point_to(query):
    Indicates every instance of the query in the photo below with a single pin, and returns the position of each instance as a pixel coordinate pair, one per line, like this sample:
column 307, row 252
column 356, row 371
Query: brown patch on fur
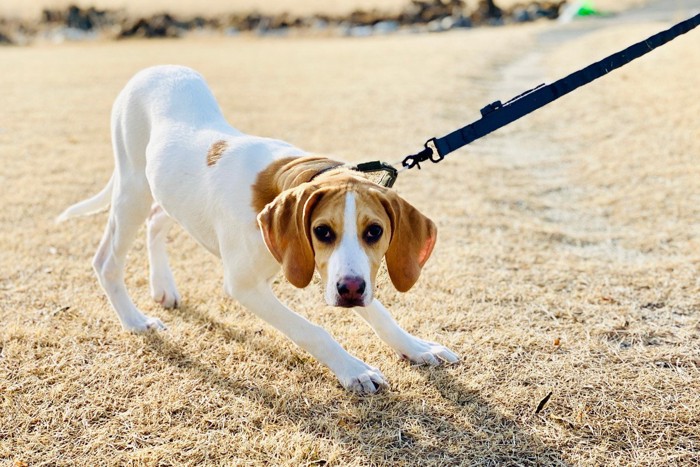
column 286, row 173
column 216, row 151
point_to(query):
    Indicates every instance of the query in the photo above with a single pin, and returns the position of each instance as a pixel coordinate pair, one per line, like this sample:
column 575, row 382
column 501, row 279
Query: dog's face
column 344, row 227
column 350, row 234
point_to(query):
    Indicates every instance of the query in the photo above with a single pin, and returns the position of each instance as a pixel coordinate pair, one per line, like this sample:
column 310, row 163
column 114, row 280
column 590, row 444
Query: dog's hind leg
column 131, row 201
column 163, row 288
column 130, row 208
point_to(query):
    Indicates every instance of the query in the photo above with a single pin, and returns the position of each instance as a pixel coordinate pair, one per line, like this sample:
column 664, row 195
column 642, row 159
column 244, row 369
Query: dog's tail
column 98, row 203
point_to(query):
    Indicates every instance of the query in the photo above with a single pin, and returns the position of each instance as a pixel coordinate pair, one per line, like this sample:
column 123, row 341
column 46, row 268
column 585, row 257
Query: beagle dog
column 258, row 204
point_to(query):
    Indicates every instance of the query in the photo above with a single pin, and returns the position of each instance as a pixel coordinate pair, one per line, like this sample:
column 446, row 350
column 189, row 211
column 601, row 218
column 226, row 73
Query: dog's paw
column 423, row 352
column 360, row 378
column 165, row 292
column 144, row 325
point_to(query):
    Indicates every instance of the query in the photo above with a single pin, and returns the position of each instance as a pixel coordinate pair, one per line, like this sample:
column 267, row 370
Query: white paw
column 361, row 378
column 424, row 352
column 165, row 292
column 144, row 325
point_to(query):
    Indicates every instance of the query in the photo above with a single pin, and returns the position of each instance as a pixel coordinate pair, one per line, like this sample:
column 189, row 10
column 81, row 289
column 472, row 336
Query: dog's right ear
column 285, row 226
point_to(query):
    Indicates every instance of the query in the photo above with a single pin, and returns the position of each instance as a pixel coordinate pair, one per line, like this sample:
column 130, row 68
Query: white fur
column 349, row 259
column 163, row 123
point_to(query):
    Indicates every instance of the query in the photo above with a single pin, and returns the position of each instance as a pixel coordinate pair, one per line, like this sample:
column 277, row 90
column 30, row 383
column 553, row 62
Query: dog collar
column 387, row 173
column 327, row 169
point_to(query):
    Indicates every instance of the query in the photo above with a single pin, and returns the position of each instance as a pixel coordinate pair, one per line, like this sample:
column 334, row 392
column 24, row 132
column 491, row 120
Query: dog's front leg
column 354, row 374
column 407, row 346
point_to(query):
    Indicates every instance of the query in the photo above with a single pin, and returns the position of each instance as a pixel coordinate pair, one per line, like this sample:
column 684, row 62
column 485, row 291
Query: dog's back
column 160, row 107
column 169, row 93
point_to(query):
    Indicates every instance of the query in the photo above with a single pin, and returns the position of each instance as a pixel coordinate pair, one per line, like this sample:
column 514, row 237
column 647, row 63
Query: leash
column 497, row 114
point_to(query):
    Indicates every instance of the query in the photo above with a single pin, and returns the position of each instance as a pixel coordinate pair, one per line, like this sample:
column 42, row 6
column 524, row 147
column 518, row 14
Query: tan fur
column 412, row 241
column 216, row 151
column 286, row 233
column 287, row 173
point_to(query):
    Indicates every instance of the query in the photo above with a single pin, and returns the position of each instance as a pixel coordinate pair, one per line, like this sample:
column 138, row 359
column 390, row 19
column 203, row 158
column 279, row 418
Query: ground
column 567, row 261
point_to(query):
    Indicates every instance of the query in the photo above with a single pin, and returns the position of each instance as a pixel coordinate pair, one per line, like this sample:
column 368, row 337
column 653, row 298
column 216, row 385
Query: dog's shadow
column 228, row 333
column 387, row 428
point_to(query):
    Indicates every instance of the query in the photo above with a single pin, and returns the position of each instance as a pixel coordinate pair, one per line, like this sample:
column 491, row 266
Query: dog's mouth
column 350, row 302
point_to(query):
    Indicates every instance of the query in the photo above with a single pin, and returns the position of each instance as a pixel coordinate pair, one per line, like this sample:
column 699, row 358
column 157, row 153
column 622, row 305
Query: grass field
column 568, row 261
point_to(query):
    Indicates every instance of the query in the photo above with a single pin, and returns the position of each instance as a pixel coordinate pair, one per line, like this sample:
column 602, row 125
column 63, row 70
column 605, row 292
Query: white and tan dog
column 256, row 203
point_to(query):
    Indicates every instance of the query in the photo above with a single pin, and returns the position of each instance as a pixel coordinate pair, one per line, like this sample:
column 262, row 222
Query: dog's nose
column 351, row 289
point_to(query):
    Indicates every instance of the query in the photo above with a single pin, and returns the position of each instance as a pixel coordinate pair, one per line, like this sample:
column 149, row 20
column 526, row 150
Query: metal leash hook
column 430, row 153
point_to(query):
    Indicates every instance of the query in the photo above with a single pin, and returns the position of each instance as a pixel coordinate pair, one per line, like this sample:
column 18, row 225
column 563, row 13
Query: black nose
column 351, row 288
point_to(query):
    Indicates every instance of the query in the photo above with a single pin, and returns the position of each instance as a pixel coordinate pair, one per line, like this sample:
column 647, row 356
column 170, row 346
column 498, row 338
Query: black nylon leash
column 497, row 115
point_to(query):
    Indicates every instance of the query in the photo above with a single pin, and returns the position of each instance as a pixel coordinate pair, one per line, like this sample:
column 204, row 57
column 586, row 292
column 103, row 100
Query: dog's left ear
column 413, row 237
column 286, row 231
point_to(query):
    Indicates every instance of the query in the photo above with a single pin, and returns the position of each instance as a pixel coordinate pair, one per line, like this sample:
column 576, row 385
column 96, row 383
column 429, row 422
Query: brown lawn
column 568, row 261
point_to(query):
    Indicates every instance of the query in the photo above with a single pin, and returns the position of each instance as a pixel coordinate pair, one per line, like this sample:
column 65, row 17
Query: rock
column 319, row 23
column 5, row 39
column 64, row 34
column 447, row 23
column 76, row 19
column 486, row 12
column 462, row 21
column 520, row 15
column 365, row 18
column 360, row 31
column 386, row 27
column 163, row 25
column 232, row 31
column 435, row 26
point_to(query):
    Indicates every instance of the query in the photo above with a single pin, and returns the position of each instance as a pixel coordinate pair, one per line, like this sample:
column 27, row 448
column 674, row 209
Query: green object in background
column 587, row 9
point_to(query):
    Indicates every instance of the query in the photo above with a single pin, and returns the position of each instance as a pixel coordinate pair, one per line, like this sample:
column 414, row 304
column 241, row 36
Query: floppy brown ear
column 413, row 237
column 285, row 227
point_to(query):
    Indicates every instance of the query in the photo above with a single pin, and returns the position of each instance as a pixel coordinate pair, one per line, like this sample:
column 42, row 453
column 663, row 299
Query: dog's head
column 344, row 226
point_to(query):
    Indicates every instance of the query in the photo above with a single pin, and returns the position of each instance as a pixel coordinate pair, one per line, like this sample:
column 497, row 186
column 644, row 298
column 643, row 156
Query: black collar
column 327, row 169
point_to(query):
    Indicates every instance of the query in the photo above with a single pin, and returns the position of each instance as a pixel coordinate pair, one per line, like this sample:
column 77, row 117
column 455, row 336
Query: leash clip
column 429, row 153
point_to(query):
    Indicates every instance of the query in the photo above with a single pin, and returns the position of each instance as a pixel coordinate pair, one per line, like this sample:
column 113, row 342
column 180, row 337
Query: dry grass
column 567, row 263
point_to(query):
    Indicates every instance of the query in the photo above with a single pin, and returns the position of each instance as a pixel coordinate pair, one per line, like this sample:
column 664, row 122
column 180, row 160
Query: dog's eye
column 324, row 234
column 373, row 233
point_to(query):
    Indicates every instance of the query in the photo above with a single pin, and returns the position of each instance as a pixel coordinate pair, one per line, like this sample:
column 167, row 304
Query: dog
column 258, row 204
